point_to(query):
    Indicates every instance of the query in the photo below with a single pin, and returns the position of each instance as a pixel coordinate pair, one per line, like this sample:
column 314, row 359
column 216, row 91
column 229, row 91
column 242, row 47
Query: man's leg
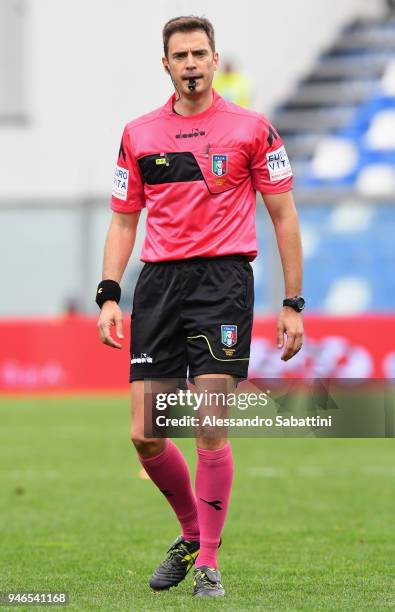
column 214, row 477
column 217, row 312
column 167, row 468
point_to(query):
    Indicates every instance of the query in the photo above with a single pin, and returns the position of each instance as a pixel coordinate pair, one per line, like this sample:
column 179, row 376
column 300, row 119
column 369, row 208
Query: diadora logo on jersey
column 229, row 335
column 278, row 164
column 122, row 152
column 219, row 165
column 271, row 135
column 194, row 134
column 120, row 186
column 144, row 358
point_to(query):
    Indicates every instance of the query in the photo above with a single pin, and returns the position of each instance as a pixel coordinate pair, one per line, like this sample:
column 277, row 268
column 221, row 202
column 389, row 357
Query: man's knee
column 211, row 442
column 147, row 447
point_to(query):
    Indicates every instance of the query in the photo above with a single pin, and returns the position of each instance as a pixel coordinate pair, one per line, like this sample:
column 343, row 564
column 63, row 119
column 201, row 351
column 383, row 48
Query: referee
column 196, row 164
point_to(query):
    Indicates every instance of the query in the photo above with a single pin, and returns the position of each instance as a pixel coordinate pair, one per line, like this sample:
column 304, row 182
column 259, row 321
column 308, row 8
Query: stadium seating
column 339, row 130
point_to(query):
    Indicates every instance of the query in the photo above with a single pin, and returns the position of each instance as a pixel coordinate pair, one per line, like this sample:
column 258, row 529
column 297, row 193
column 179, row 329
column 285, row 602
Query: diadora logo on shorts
column 229, row 335
column 219, row 165
column 194, row 134
column 144, row 358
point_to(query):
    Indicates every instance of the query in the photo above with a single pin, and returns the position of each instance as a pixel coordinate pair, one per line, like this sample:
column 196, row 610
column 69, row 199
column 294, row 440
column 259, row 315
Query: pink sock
column 214, row 476
column 169, row 471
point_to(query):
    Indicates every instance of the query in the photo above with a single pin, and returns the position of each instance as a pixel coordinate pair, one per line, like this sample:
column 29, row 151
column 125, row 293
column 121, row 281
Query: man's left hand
column 289, row 323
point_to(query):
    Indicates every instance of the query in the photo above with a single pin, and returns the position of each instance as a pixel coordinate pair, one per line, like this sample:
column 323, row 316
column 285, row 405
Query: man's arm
column 118, row 248
column 119, row 244
column 282, row 210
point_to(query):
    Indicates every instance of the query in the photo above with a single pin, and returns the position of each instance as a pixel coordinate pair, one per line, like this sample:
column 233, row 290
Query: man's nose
column 191, row 63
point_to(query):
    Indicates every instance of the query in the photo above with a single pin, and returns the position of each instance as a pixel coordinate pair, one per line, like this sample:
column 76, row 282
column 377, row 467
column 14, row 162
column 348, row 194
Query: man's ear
column 215, row 60
column 165, row 64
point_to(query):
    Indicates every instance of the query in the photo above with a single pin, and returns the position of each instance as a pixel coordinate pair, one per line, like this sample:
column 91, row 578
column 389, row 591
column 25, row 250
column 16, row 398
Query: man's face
column 190, row 56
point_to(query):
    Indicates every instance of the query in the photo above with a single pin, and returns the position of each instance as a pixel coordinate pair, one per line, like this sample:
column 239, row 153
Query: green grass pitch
column 311, row 523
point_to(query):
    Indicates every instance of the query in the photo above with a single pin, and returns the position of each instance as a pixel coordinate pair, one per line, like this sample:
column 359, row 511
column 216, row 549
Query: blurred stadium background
column 72, row 74
column 76, row 512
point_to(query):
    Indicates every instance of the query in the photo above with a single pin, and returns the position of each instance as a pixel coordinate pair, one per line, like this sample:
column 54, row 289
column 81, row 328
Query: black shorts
column 192, row 313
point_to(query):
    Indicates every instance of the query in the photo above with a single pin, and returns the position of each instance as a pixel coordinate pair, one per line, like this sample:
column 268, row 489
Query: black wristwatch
column 297, row 303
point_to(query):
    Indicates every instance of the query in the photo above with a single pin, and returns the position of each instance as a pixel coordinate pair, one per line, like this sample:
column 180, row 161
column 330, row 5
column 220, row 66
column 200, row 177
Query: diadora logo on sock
column 215, row 504
column 166, row 492
column 144, row 358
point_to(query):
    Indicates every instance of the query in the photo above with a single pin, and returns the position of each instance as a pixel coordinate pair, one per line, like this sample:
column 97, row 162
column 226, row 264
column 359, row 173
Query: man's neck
column 192, row 106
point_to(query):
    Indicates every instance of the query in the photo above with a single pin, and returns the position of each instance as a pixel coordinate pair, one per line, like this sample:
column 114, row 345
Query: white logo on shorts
column 144, row 358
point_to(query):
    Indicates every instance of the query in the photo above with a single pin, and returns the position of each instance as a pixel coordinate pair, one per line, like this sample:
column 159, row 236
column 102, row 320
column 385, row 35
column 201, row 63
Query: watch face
column 300, row 303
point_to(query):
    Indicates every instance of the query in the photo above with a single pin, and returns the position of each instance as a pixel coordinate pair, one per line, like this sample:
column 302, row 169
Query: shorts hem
column 239, row 375
column 151, row 376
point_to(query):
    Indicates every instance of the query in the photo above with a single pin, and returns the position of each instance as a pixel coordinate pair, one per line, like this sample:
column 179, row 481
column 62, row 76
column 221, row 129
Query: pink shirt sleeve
column 270, row 168
column 128, row 188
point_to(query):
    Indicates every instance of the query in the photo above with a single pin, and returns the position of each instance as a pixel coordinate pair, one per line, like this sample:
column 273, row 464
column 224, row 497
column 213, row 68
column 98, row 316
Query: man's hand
column 290, row 323
column 110, row 315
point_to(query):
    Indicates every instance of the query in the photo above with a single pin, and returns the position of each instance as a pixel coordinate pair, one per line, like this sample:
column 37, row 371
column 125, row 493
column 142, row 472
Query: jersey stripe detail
column 170, row 168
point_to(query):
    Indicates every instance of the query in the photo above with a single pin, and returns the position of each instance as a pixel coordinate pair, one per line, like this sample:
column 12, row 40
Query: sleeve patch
column 120, row 186
column 278, row 164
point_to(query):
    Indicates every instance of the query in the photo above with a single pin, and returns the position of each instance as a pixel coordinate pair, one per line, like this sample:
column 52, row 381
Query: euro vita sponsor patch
column 278, row 164
column 120, row 185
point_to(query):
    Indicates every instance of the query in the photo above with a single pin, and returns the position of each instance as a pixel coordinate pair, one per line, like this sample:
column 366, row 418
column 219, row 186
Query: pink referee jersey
column 198, row 177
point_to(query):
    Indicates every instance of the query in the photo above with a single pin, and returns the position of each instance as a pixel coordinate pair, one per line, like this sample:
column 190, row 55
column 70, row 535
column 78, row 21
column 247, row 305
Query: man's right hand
column 110, row 315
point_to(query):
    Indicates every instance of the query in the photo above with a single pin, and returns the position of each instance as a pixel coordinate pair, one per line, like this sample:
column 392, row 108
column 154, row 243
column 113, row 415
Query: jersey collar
column 216, row 105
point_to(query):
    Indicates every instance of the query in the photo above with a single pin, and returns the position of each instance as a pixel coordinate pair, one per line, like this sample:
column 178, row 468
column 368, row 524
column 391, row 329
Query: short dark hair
column 188, row 23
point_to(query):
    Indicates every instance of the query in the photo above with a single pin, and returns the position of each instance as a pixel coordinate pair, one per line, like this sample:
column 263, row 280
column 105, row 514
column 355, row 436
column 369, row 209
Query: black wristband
column 108, row 290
